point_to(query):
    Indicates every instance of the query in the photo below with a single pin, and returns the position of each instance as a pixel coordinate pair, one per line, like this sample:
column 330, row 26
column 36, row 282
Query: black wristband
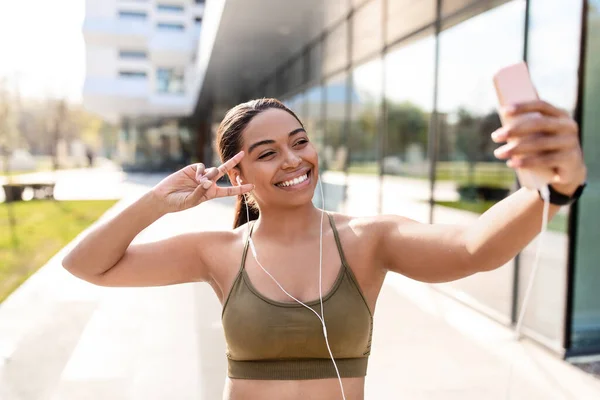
column 560, row 199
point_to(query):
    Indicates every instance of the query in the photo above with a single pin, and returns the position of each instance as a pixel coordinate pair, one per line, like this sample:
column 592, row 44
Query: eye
column 301, row 141
column 265, row 155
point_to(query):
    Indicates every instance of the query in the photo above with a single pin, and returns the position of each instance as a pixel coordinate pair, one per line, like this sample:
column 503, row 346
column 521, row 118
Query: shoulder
column 371, row 229
column 213, row 244
column 215, row 252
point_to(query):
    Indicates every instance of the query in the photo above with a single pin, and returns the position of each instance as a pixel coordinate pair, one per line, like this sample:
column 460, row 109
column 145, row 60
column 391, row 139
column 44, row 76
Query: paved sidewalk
column 64, row 339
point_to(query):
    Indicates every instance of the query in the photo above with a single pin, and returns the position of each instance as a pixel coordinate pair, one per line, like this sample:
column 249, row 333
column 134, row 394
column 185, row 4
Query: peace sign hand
column 195, row 184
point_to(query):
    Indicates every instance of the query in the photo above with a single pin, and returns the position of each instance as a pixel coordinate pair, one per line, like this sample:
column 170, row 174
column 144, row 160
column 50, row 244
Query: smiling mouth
column 295, row 181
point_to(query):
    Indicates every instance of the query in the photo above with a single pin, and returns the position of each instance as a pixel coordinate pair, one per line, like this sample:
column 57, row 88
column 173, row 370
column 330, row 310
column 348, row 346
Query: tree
column 9, row 133
column 407, row 124
column 473, row 140
column 8, row 138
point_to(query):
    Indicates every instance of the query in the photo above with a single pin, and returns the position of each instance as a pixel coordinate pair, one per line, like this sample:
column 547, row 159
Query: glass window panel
column 367, row 30
column 586, row 302
column 336, row 49
column 170, row 8
column 296, row 73
column 169, row 80
column 137, row 15
column 313, row 121
column 472, row 8
column 170, row 26
column 315, row 60
column 452, row 6
column 364, row 120
column 335, row 151
column 363, row 143
column 469, row 178
column 296, row 104
column 406, row 16
column 133, row 74
column 410, row 73
column 553, row 58
column 334, row 11
column 133, row 54
column 283, row 79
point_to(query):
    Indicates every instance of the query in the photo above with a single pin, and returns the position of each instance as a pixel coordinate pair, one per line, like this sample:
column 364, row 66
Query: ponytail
column 241, row 209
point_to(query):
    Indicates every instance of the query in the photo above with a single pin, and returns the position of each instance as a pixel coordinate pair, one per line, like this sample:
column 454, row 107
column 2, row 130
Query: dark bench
column 39, row 190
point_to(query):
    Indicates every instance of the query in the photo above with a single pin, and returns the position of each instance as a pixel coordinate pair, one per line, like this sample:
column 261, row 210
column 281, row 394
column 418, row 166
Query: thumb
column 200, row 193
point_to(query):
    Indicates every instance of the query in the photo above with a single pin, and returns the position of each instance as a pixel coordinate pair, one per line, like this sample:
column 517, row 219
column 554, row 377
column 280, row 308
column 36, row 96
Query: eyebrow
column 271, row 141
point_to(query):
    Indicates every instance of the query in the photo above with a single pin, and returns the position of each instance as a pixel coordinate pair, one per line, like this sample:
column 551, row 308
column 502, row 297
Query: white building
column 141, row 57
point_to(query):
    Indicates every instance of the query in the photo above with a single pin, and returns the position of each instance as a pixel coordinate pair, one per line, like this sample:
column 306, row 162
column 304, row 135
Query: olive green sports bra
column 272, row 340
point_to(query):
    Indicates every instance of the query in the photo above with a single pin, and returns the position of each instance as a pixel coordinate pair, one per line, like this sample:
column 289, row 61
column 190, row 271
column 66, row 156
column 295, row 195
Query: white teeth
column 294, row 181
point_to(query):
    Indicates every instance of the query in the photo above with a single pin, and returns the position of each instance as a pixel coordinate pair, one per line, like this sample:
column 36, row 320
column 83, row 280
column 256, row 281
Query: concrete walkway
column 64, row 339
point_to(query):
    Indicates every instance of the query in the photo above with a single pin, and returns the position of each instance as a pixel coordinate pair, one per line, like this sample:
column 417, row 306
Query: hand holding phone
column 513, row 85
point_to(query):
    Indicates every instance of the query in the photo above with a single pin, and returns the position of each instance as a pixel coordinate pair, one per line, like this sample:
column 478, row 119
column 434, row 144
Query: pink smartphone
column 513, row 85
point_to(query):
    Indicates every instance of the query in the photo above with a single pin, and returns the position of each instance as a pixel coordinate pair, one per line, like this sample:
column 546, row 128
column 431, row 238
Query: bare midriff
column 316, row 389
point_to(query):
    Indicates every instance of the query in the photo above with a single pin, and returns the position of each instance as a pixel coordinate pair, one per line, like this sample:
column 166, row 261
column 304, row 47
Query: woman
column 275, row 347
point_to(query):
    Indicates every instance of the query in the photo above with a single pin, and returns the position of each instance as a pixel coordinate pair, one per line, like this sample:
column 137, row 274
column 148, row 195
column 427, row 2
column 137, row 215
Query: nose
column 291, row 160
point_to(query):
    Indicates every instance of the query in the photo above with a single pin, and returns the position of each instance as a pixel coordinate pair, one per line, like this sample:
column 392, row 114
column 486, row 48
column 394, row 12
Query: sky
column 42, row 47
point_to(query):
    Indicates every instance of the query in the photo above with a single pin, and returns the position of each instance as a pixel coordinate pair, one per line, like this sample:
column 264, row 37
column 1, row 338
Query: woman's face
column 280, row 160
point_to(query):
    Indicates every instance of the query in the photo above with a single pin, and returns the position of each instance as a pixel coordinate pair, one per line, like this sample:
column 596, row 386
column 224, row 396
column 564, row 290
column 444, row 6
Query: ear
column 234, row 175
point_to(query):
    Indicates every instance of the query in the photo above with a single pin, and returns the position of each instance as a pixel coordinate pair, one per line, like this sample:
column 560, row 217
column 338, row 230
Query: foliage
column 407, row 124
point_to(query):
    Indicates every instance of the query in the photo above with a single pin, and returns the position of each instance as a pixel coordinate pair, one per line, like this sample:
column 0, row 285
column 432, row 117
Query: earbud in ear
column 239, row 181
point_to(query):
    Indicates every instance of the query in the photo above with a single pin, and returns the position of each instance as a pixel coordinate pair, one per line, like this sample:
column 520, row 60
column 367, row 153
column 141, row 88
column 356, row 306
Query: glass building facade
column 398, row 98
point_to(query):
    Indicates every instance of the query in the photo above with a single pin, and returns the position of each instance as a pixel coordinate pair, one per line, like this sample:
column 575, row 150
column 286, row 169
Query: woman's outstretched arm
column 106, row 256
column 440, row 253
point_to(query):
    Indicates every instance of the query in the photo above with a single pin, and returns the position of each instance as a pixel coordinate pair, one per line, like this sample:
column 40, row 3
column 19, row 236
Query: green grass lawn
column 557, row 224
column 485, row 173
column 42, row 229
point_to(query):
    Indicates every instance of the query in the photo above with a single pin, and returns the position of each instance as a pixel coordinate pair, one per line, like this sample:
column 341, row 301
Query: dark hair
column 229, row 143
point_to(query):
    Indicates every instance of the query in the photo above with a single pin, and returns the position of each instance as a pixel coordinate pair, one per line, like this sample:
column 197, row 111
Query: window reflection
column 313, row 121
column 364, row 141
column 296, row 104
column 470, row 53
column 366, row 32
column 585, row 333
column 471, row 7
column 315, row 60
column 364, row 125
column 334, row 155
column 451, row 6
column 406, row 16
column 409, row 101
column 169, row 80
column 553, row 58
column 469, row 179
column 336, row 49
column 335, row 151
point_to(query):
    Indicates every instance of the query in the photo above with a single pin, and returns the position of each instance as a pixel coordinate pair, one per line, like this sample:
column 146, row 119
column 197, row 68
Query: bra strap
column 337, row 240
column 246, row 245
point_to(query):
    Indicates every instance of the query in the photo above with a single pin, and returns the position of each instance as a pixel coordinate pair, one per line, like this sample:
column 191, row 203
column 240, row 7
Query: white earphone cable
column 545, row 193
column 320, row 317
